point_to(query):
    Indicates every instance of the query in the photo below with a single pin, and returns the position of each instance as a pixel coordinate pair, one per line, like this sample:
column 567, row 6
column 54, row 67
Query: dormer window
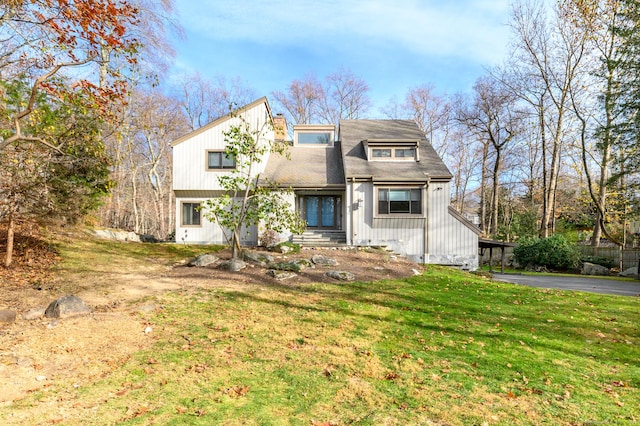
column 391, row 150
column 311, row 135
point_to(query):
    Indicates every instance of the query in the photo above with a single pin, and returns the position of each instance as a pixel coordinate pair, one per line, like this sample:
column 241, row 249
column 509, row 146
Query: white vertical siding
column 207, row 232
column 190, row 171
column 404, row 235
column 189, row 156
column 447, row 240
column 450, row 240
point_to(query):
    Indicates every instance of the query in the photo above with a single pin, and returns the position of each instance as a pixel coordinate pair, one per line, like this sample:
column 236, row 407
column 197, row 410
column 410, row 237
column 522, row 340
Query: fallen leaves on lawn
column 235, row 391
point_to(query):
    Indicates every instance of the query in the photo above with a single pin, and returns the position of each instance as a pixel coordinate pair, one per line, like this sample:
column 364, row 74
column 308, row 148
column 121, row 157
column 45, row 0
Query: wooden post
column 490, row 259
column 502, row 260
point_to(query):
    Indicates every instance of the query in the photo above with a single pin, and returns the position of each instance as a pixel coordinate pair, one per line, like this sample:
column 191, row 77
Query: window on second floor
column 218, row 160
column 314, row 138
column 318, row 135
column 392, row 153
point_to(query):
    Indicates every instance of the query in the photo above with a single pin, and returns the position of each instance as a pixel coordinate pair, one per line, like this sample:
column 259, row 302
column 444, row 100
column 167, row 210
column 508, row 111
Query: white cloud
column 472, row 28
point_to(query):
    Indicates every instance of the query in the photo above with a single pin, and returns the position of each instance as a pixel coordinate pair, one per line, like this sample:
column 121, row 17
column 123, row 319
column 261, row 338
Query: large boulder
column 260, row 259
column 67, row 306
column 204, row 260
column 319, row 259
column 593, row 269
column 117, row 234
column 291, row 266
column 630, row 272
column 341, row 275
column 235, row 265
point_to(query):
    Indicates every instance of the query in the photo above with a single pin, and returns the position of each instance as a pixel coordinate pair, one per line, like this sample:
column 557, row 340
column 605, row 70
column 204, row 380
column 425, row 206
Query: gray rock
column 302, row 263
column 148, row 238
column 284, row 249
column 7, row 315
column 630, row 272
column 34, row 314
column 319, row 259
column 593, row 269
column 117, row 234
column 280, row 275
column 340, row 275
column 204, row 260
column 291, row 266
column 67, row 306
column 236, row 265
column 262, row 259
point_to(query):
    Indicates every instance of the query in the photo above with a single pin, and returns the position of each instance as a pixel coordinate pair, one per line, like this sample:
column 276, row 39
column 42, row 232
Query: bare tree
column 203, row 101
column 301, row 101
column 493, row 119
column 345, row 97
column 546, row 60
column 342, row 96
column 430, row 111
column 142, row 199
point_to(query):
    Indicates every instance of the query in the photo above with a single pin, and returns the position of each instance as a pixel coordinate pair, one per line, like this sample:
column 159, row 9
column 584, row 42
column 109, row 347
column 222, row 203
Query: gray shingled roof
column 307, row 168
column 353, row 132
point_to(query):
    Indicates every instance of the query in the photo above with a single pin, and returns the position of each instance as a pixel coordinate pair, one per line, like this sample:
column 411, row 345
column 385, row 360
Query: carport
column 491, row 244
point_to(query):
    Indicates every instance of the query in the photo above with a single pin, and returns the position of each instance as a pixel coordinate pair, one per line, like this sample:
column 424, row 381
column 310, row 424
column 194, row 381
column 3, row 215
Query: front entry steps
column 321, row 238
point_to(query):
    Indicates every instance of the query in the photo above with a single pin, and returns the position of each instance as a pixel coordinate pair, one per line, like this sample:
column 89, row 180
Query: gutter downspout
column 427, row 222
column 353, row 183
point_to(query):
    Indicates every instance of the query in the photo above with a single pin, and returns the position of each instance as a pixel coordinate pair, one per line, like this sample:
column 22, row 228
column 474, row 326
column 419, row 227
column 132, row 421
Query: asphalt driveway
column 590, row 284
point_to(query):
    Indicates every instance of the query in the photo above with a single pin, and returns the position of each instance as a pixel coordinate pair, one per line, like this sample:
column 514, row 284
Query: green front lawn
column 445, row 348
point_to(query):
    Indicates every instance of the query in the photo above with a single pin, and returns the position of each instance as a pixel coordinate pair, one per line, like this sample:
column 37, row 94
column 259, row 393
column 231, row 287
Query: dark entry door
column 322, row 211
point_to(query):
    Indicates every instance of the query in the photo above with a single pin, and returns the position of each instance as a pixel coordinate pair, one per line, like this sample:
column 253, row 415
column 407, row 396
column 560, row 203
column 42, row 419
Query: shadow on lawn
column 492, row 316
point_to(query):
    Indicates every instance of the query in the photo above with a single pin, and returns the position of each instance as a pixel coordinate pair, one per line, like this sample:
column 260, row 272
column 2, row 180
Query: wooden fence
column 630, row 257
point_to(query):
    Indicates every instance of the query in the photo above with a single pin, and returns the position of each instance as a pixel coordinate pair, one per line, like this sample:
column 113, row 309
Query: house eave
column 223, row 119
column 296, row 187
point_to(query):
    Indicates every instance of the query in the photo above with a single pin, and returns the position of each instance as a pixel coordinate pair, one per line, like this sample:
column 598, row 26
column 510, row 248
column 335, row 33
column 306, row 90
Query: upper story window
column 314, row 138
column 218, row 160
column 391, row 150
column 389, row 153
column 313, row 135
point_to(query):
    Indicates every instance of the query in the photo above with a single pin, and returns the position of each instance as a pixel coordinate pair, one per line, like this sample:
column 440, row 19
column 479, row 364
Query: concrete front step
column 321, row 239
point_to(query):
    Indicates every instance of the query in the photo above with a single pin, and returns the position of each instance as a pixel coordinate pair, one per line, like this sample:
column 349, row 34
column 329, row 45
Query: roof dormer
column 392, row 149
column 313, row 135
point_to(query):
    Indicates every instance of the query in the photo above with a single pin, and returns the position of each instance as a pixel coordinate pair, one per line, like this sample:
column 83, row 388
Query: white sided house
column 367, row 183
column 199, row 159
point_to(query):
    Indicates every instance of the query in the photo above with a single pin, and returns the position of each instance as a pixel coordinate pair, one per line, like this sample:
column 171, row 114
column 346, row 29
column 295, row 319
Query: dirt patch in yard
column 54, row 356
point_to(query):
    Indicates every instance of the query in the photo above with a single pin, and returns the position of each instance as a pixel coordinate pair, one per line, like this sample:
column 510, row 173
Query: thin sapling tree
column 247, row 199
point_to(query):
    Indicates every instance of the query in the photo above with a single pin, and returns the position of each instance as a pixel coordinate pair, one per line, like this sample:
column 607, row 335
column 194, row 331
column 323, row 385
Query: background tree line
column 545, row 142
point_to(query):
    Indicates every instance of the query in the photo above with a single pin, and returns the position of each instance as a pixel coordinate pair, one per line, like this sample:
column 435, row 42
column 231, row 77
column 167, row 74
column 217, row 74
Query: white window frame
column 305, row 129
column 393, row 156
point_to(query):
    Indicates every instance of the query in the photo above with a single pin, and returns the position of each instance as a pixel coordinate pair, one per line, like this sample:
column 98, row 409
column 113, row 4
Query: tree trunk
column 494, row 196
column 483, row 189
column 10, row 231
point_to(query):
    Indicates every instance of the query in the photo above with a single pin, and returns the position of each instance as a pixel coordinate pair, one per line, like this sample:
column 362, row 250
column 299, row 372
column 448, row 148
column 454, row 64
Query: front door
column 322, row 211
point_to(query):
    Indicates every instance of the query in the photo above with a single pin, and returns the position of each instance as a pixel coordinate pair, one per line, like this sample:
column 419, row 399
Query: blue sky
column 392, row 45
